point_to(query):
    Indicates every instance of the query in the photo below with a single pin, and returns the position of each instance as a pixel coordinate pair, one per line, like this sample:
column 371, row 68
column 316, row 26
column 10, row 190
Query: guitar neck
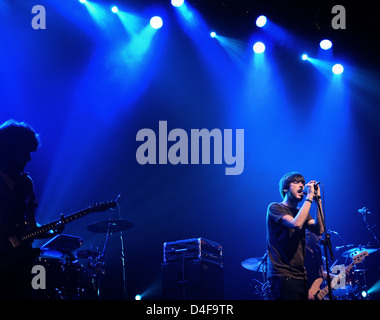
column 54, row 225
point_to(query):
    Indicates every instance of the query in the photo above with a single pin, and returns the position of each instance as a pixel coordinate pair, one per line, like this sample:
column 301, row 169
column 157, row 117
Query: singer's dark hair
column 287, row 178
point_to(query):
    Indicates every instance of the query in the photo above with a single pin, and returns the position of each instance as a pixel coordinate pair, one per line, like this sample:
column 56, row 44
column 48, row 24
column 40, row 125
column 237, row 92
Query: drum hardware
column 69, row 279
column 96, row 263
column 65, row 276
column 258, row 264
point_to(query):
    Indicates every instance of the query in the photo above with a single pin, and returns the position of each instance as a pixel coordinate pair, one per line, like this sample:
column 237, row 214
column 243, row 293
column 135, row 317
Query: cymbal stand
column 99, row 265
column 264, row 288
column 123, row 255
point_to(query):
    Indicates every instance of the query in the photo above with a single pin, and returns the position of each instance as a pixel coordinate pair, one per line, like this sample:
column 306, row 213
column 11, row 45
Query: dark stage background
column 87, row 90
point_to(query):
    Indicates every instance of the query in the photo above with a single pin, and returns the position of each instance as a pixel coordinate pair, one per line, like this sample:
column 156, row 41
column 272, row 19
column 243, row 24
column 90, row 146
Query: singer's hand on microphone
column 309, row 189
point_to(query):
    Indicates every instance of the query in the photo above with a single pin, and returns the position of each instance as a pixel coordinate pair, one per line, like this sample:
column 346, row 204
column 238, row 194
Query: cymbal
column 254, row 264
column 355, row 251
column 111, row 226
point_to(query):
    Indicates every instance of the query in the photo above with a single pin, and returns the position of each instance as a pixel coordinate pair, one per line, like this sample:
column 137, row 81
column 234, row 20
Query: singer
column 286, row 223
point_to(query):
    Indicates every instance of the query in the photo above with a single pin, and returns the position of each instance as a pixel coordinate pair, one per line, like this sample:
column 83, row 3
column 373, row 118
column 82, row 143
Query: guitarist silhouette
column 17, row 206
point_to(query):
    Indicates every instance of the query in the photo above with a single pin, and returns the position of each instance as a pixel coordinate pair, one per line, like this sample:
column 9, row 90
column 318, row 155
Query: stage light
column 82, row 1
column 212, row 34
column 304, row 57
column 138, row 297
column 259, row 47
column 325, row 44
column 115, row 9
column 177, row 3
column 364, row 294
column 156, row 22
column 261, row 21
column 337, row 69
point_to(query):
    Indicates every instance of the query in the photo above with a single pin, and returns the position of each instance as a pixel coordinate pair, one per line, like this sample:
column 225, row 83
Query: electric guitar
column 15, row 242
column 318, row 293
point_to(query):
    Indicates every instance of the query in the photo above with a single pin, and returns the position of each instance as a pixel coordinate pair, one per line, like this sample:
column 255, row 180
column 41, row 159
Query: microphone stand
column 327, row 245
column 369, row 227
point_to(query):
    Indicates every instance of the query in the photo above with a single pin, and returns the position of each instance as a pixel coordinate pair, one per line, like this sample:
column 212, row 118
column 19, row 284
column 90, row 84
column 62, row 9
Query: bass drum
column 75, row 282
column 53, row 279
column 64, row 280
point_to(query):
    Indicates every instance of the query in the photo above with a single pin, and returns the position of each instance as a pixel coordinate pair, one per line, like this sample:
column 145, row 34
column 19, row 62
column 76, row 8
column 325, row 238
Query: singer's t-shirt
column 286, row 246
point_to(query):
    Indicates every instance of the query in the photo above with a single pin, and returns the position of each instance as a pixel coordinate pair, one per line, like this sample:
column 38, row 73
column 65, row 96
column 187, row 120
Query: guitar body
column 315, row 291
column 315, row 288
column 13, row 251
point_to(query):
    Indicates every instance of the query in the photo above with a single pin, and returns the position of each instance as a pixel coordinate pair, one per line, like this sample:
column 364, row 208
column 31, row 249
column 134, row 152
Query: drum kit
column 354, row 289
column 66, row 277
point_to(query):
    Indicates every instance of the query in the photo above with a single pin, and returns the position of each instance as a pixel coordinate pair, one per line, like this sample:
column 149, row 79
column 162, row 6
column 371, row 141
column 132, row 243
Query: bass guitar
column 318, row 293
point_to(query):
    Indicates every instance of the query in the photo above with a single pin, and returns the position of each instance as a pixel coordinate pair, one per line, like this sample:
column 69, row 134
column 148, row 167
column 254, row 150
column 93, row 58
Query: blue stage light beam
column 258, row 47
column 156, row 22
column 177, row 3
column 325, row 44
column 134, row 51
column 326, row 66
column 234, row 48
column 261, row 21
column 132, row 23
column 187, row 14
column 337, row 69
column 375, row 288
column 99, row 13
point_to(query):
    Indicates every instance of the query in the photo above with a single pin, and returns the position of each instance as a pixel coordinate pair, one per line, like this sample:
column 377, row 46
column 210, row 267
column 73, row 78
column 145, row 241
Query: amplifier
column 191, row 249
column 192, row 280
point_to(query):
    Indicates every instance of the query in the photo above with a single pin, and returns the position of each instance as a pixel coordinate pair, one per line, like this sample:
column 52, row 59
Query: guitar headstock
column 359, row 257
column 102, row 206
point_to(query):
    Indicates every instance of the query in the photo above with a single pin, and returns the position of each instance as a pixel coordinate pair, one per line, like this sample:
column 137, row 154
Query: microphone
column 364, row 211
column 315, row 188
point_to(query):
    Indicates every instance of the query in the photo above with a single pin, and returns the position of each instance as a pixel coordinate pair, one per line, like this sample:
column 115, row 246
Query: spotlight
column 115, row 9
column 325, row 44
column 138, row 297
column 364, row 294
column 304, row 57
column 156, row 22
column 261, row 21
column 259, row 47
column 212, row 34
column 82, row 1
column 177, row 3
column 337, row 69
